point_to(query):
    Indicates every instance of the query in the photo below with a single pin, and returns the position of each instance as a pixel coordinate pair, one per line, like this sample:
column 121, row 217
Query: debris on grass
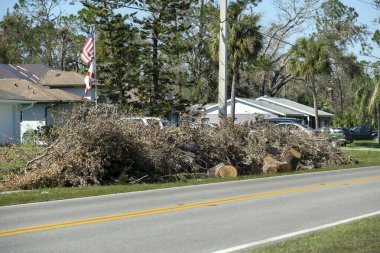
column 96, row 147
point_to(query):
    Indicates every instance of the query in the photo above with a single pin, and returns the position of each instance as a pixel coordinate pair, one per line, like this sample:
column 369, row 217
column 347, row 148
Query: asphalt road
column 204, row 218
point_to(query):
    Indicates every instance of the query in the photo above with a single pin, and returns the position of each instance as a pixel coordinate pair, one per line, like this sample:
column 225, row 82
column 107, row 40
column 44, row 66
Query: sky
column 363, row 7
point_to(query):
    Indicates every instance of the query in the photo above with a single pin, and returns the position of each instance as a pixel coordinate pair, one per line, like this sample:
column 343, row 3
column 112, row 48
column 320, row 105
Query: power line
column 371, row 4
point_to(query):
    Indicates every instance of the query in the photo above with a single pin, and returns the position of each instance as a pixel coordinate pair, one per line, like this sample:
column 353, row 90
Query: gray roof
column 286, row 103
column 5, row 95
column 263, row 105
column 19, row 89
column 33, row 73
column 271, row 108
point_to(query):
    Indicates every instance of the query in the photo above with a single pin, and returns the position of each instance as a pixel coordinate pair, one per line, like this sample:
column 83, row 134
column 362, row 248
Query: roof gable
column 62, row 78
column 17, row 89
column 260, row 105
column 286, row 103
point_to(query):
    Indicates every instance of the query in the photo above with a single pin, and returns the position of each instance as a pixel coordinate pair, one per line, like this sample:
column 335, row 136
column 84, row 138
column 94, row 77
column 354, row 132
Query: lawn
column 361, row 236
column 14, row 158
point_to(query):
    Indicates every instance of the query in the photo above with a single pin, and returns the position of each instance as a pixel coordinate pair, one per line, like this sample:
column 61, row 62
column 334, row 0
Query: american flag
column 89, row 76
column 88, row 48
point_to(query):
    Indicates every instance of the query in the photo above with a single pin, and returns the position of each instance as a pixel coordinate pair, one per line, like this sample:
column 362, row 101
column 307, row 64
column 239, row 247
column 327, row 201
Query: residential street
column 203, row 218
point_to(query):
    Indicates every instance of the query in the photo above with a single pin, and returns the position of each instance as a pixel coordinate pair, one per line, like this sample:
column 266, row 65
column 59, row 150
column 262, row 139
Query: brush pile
column 96, row 147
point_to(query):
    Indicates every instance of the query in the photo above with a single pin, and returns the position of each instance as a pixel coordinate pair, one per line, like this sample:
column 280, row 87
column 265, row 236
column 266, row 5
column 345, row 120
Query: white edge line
column 21, row 68
column 186, row 187
column 286, row 236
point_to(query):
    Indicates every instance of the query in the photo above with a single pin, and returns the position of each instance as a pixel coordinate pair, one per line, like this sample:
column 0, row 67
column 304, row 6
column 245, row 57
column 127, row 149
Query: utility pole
column 222, row 88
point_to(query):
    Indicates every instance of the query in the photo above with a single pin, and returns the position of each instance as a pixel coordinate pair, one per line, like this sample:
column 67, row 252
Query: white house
column 246, row 109
column 24, row 106
column 10, row 107
column 307, row 111
column 41, row 74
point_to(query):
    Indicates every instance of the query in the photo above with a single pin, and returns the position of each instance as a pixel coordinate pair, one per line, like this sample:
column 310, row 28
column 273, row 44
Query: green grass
column 14, row 158
column 364, row 144
column 361, row 236
column 366, row 158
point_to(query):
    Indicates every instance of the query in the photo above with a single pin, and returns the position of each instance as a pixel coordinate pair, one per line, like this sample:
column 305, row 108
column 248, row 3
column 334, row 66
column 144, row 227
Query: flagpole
column 95, row 74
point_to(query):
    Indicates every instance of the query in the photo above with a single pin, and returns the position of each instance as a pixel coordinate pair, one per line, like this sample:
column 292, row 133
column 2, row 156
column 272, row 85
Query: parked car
column 148, row 121
column 363, row 132
column 297, row 127
column 339, row 133
column 283, row 120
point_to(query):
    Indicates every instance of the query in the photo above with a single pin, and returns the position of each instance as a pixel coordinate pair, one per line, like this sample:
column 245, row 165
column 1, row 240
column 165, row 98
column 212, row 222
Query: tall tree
column 45, row 16
column 338, row 25
column 244, row 42
column 162, row 29
column 292, row 18
column 309, row 59
column 202, row 69
column 117, row 50
column 15, row 38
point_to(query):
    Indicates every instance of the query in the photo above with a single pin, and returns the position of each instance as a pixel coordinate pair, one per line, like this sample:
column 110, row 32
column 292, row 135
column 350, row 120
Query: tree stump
column 291, row 156
column 271, row 165
column 222, row 170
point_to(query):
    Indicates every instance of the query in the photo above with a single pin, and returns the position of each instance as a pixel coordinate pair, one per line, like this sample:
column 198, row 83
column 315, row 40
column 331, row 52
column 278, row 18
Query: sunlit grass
column 361, row 236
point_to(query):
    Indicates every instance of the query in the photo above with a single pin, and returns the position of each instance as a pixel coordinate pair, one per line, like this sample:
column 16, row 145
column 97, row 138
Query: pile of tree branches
column 97, row 147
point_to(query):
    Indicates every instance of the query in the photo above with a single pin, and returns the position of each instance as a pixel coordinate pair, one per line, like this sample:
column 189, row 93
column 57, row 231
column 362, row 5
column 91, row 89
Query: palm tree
column 244, row 41
column 375, row 100
column 309, row 59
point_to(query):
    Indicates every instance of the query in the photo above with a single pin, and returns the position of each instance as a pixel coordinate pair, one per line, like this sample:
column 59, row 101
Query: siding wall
column 243, row 113
column 9, row 123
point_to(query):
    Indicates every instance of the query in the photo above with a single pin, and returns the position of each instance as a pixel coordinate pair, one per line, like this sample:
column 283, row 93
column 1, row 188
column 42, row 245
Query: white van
column 147, row 121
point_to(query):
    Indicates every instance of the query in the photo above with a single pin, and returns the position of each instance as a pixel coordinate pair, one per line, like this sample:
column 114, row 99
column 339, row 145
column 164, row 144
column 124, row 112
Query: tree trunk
column 314, row 91
column 378, row 123
column 233, row 90
column 222, row 170
column 341, row 107
column 262, row 86
column 154, row 85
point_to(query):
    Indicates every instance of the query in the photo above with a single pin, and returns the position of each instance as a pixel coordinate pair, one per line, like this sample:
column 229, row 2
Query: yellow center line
column 179, row 207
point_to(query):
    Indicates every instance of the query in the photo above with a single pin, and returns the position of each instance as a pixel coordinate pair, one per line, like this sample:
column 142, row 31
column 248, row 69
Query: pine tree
column 117, row 50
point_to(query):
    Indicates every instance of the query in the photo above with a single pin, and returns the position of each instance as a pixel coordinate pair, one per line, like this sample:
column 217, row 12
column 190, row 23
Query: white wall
column 243, row 113
column 42, row 114
column 79, row 91
column 9, row 123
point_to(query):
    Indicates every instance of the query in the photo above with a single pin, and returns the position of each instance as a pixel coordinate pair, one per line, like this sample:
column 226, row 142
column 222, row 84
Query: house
column 25, row 105
column 10, row 107
column 307, row 111
column 246, row 109
column 41, row 74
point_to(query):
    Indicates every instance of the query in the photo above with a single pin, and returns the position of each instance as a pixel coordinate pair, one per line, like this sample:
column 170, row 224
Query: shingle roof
column 262, row 105
column 18, row 89
column 5, row 95
column 58, row 78
column 272, row 108
column 33, row 73
column 42, row 74
column 286, row 103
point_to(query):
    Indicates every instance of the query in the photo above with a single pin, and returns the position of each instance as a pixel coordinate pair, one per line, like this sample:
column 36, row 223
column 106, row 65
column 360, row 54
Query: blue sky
column 363, row 7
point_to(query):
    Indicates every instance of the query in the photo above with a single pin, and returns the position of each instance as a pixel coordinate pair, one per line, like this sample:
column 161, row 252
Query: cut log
column 222, row 170
column 291, row 156
column 271, row 165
